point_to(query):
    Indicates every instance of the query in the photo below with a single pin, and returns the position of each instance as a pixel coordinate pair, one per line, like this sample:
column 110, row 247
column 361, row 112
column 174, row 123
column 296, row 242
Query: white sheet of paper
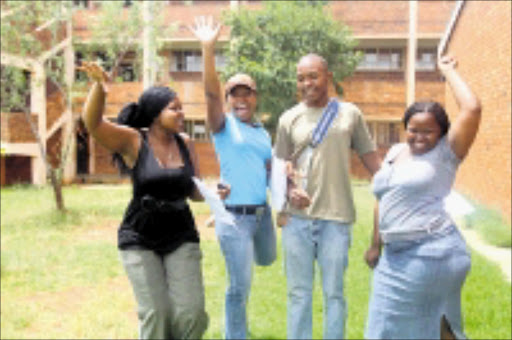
column 456, row 205
column 214, row 201
column 278, row 183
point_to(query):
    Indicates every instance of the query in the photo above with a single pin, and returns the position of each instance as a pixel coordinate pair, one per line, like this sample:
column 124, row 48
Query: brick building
column 479, row 36
column 380, row 86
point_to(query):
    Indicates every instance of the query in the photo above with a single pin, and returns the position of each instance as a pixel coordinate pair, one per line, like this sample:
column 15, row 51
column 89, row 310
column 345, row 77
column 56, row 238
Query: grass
column 491, row 226
column 61, row 276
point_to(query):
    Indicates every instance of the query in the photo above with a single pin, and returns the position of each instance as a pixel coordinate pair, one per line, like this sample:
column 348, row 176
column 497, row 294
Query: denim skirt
column 415, row 284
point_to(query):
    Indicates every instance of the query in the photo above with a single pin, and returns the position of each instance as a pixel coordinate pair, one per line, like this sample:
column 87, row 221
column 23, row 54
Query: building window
column 80, row 76
column 126, row 72
column 426, row 59
column 81, row 3
column 186, row 61
column 381, row 59
column 192, row 61
column 220, row 60
column 385, row 133
column 197, row 130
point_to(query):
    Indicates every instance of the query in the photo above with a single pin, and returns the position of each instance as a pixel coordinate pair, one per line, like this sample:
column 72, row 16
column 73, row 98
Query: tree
column 34, row 37
column 31, row 33
column 117, row 32
column 268, row 43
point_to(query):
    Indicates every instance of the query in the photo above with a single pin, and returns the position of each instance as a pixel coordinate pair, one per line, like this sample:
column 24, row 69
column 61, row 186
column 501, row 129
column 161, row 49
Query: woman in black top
column 157, row 239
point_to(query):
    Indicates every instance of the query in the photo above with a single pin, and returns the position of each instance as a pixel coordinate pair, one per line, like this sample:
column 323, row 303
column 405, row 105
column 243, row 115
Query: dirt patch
column 104, row 232
column 108, row 231
column 72, row 302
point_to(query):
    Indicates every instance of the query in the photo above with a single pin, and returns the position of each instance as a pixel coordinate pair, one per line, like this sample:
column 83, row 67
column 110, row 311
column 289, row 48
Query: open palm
column 94, row 71
column 205, row 30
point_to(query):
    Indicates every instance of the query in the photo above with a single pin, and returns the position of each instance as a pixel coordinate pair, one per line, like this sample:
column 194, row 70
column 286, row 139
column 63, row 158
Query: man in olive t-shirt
column 320, row 207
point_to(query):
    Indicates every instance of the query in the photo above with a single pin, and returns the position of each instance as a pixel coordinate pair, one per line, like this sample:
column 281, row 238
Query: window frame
column 383, row 59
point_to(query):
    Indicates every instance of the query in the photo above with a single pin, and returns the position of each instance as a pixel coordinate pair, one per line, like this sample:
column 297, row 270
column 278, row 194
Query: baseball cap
column 240, row 79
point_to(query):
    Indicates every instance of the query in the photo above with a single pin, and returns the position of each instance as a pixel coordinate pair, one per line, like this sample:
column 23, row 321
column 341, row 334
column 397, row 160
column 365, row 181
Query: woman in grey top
column 418, row 278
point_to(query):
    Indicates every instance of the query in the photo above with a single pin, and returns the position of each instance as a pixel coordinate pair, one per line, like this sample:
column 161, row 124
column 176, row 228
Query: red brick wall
column 481, row 43
column 380, row 17
column 384, row 93
column 54, row 108
column 16, row 129
column 119, row 94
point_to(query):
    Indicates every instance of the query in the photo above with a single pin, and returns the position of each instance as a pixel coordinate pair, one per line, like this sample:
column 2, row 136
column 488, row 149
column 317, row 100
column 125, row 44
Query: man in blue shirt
column 244, row 151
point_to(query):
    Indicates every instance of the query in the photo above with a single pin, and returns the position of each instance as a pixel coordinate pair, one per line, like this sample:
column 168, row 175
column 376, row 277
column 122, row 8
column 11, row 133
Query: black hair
column 142, row 114
column 431, row 107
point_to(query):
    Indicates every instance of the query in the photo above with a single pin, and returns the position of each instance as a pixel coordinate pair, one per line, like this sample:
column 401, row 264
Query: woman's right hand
column 446, row 63
column 371, row 256
column 205, row 30
column 94, row 71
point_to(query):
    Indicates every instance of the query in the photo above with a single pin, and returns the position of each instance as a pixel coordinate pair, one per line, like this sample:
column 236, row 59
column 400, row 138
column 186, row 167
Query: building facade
column 380, row 85
column 479, row 36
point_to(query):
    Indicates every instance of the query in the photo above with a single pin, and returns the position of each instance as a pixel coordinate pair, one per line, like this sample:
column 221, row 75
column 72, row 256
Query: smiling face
column 242, row 101
column 313, row 81
column 172, row 117
column 422, row 132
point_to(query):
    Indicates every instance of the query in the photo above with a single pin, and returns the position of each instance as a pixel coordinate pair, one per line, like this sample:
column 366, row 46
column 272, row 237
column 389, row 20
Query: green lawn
column 61, row 276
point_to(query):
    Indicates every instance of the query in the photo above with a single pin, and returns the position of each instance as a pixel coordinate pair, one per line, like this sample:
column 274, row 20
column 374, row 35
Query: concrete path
column 458, row 207
column 501, row 256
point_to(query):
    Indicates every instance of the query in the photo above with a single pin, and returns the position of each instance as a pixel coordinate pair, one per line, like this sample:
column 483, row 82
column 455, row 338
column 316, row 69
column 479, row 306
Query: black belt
column 245, row 209
column 149, row 203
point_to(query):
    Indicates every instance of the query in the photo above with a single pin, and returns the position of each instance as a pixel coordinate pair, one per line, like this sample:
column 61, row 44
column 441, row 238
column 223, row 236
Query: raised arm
column 114, row 137
column 463, row 129
column 207, row 33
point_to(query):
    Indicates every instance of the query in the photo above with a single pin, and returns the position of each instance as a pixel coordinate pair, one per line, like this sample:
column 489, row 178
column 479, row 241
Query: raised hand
column 94, row 71
column 446, row 62
column 205, row 30
column 223, row 190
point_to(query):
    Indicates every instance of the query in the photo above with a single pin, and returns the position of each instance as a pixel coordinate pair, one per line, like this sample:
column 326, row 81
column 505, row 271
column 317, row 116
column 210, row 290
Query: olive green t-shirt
column 328, row 174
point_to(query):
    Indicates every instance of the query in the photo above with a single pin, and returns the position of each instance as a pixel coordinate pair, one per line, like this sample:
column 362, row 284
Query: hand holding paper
column 215, row 203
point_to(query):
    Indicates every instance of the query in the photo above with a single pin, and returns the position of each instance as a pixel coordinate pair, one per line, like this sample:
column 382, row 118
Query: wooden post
column 411, row 52
column 148, row 64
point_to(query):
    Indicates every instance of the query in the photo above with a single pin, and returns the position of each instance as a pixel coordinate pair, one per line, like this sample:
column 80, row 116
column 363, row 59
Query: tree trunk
column 57, row 190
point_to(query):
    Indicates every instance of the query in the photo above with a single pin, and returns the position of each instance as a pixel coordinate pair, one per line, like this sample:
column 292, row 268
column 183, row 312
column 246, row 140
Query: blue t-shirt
column 411, row 193
column 243, row 150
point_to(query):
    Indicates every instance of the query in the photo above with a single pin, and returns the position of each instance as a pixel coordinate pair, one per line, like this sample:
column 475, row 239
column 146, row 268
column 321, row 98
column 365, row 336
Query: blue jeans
column 252, row 239
column 327, row 242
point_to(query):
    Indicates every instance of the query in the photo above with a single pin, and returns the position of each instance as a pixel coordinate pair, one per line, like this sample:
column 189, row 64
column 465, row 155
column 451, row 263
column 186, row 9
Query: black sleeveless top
column 158, row 217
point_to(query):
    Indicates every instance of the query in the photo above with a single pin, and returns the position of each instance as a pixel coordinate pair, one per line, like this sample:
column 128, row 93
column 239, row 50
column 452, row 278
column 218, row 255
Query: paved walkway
column 458, row 207
column 501, row 256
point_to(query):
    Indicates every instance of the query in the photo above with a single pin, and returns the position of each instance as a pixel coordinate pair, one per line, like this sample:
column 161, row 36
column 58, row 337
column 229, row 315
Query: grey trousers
column 169, row 292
